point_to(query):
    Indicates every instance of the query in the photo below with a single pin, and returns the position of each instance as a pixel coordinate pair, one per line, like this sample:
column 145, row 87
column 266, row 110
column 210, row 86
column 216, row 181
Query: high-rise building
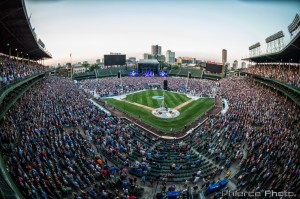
column 98, row 61
column 186, row 60
column 243, row 64
column 235, row 65
column 224, row 56
column 170, row 57
column 156, row 50
column 147, row 56
column 160, row 58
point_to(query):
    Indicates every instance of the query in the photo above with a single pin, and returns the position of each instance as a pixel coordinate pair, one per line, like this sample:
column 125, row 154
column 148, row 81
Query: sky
column 88, row 29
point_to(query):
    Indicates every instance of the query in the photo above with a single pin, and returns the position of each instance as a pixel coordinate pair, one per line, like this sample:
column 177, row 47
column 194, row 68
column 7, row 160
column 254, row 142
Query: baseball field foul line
column 183, row 104
column 140, row 105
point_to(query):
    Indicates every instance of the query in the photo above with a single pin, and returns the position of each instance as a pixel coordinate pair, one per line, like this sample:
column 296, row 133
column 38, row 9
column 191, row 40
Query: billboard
column 110, row 60
column 214, row 67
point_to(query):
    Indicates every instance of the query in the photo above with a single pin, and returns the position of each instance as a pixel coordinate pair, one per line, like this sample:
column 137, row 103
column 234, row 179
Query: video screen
column 133, row 73
column 214, row 68
column 148, row 73
column 110, row 60
column 163, row 73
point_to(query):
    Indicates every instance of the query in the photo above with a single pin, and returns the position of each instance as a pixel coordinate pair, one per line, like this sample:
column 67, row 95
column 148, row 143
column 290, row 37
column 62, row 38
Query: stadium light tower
column 120, row 76
column 294, row 26
column 187, row 81
column 17, row 55
column 275, row 42
column 9, row 50
column 254, row 50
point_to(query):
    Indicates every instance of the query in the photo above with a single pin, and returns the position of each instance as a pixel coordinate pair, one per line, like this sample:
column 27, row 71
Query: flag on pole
column 72, row 66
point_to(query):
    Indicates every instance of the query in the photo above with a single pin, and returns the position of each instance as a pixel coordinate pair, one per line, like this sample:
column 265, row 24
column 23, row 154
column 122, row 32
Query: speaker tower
column 165, row 84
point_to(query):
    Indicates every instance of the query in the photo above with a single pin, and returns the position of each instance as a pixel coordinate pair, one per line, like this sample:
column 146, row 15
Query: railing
column 294, row 88
column 5, row 89
column 11, row 102
column 291, row 87
column 288, row 90
column 5, row 86
column 8, row 188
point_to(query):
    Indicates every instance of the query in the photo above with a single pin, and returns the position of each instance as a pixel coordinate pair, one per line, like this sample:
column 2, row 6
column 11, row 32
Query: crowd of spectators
column 12, row 69
column 50, row 161
column 286, row 73
column 111, row 86
column 264, row 124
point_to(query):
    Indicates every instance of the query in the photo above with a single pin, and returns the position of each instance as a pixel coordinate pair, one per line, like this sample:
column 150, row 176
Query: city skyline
column 199, row 29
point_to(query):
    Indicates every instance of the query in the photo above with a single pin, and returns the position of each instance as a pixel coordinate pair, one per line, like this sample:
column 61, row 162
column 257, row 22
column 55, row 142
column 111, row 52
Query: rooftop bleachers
column 183, row 72
column 112, row 71
column 212, row 76
column 86, row 74
column 173, row 72
column 103, row 73
column 196, row 73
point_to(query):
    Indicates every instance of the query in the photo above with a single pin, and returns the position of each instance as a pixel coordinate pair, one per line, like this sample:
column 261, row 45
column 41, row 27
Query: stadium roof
column 290, row 53
column 16, row 31
column 148, row 61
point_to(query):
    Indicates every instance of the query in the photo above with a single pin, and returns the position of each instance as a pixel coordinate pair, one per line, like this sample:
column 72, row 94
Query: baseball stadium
column 147, row 129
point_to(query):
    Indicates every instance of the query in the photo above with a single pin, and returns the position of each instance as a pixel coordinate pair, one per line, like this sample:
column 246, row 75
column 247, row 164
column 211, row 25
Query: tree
column 93, row 67
column 175, row 67
column 169, row 67
column 164, row 65
column 86, row 65
column 60, row 68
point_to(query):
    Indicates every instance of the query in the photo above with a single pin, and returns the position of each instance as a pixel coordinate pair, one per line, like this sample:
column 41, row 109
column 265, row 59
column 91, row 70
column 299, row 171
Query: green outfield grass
column 188, row 113
column 145, row 97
